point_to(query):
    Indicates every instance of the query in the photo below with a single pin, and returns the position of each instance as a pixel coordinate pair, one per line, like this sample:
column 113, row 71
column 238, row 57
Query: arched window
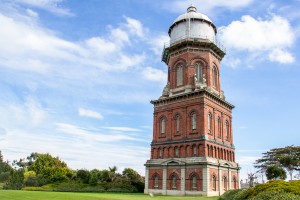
column 194, row 122
column 214, row 77
column 225, row 183
column 156, row 181
column 195, row 150
column 198, row 72
column 234, row 183
column 177, row 123
column 194, row 182
column 219, row 127
column 227, row 130
column 209, row 124
column 176, row 152
column 214, row 183
column 160, row 152
column 179, row 75
column 174, row 182
column 163, row 126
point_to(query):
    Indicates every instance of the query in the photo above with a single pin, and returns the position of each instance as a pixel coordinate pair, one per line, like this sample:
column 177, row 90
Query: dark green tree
column 287, row 158
column 83, row 176
column 52, row 168
column 274, row 172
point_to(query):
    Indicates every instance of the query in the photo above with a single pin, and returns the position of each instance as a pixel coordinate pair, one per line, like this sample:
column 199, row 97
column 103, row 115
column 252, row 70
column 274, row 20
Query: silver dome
column 192, row 25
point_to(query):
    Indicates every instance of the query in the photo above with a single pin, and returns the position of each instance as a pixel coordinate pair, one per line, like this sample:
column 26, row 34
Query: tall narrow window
column 214, row 77
column 214, row 183
column 225, row 183
column 156, row 182
column 194, row 124
column 227, row 130
column 163, row 126
column 234, row 183
column 195, row 150
column 179, row 75
column 209, row 124
column 198, row 72
column 219, row 127
column 176, row 152
column 160, row 152
column 174, row 182
column 194, row 182
column 177, row 123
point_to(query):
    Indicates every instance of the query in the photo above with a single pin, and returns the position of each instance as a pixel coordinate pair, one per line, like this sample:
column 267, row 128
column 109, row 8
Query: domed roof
column 192, row 14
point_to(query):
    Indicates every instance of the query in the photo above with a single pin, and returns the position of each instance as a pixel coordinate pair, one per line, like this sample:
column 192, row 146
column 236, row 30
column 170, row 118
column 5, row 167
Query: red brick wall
column 152, row 174
column 189, row 174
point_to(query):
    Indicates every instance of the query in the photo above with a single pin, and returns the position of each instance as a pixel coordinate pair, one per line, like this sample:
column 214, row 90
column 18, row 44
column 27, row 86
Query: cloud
column 135, row 27
column 85, row 134
column 89, row 113
column 281, row 56
column 114, row 128
column 257, row 36
column 158, row 42
column 153, row 74
column 209, row 6
column 28, row 114
column 52, row 6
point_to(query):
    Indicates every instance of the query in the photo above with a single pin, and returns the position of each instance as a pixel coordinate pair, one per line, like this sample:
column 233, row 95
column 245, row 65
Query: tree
column 274, row 172
column 287, row 158
column 52, row 168
column 83, row 176
column 1, row 157
column 131, row 175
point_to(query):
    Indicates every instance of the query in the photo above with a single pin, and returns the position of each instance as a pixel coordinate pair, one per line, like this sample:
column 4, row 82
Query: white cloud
column 89, row 113
column 157, row 43
column 178, row 6
column 52, row 6
column 28, row 114
column 31, row 13
column 115, row 128
column 76, row 131
column 256, row 36
column 135, row 27
column 281, row 56
column 153, row 74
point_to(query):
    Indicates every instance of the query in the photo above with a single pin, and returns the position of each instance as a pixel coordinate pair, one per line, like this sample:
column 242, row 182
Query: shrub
column 70, row 187
column 119, row 187
column 275, row 195
column 228, row 195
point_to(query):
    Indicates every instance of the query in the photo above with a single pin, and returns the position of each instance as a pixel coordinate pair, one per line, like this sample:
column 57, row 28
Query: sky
column 77, row 77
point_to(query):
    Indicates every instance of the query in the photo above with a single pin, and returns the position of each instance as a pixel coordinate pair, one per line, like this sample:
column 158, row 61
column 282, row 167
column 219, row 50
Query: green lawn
column 30, row 195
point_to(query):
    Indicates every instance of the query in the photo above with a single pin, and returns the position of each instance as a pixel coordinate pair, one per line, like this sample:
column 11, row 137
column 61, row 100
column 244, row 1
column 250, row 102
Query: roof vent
column 192, row 9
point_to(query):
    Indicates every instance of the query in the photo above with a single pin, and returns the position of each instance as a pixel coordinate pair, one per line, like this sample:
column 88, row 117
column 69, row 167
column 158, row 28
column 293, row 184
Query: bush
column 70, row 187
column 286, row 189
column 275, row 195
column 37, row 181
column 228, row 195
column 119, row 187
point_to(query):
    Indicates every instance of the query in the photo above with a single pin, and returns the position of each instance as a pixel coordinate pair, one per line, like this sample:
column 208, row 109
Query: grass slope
column 31, row 195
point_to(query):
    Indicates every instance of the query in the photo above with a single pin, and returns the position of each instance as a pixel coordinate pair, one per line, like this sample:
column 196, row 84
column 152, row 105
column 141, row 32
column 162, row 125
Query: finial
column 191, row 8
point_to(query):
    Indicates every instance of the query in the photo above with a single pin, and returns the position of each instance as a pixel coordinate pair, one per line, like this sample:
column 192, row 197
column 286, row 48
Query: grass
column 32, row 195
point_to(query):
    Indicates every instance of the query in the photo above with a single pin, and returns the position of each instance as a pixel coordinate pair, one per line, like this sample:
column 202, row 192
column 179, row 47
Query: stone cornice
column 167, row 100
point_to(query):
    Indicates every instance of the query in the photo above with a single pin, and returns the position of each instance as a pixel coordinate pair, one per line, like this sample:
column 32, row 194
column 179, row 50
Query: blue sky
column 77, row 77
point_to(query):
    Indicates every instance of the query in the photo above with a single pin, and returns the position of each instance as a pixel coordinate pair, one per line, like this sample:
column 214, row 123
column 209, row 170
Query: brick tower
column 192, row 151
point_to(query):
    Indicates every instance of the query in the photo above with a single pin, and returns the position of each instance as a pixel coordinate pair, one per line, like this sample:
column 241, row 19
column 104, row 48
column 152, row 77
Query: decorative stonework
column 192, row 150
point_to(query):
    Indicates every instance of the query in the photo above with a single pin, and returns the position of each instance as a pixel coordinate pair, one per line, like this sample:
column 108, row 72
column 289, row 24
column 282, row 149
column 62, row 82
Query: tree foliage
column 274, row 172
column 52, row 168
column 287, row 158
